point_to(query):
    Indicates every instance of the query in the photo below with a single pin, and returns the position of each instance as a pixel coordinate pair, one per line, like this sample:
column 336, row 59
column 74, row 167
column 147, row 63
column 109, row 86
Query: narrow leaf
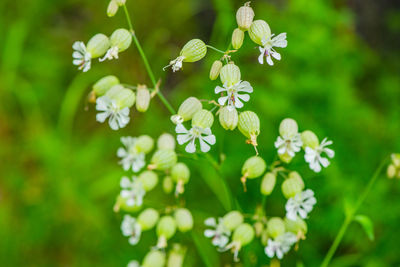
column 366, row 224
column 207, row 252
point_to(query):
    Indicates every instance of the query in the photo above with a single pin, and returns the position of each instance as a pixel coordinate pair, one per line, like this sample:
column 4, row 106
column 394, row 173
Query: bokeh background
column 59, row 176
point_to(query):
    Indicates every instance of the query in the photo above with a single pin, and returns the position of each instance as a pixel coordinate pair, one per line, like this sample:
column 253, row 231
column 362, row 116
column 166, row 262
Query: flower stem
column 350, row 216
column 146, row 63
column 216, row 49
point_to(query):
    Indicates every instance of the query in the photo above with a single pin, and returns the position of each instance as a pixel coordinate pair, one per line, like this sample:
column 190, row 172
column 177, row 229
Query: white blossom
column 280, row 245
column 119, row 118
column 175, row 64
column 289, row 144
column 131, row 158
column 130, row 227
column 205, row 137
column 81, row 57
column 133, row 263
column 233, row 95
column 301, row 204
column 111, row 54
column 219, row 234
column 313, row 156
column 132, row 191
column 267, row 49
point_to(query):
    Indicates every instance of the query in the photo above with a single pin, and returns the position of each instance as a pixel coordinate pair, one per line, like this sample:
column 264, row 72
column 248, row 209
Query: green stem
column 146, row 63
column 216, row 49
column 350, row 216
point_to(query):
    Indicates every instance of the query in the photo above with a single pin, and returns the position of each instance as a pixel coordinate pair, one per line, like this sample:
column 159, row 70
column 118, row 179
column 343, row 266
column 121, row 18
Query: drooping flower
column 120, row 40
column 314, row 158
column 132, row 191
column 204, row 135
column 233, row 94
column 301, row 204
column 130, row 227
column 118, row 117
column 267, row 49
column 81, row 57
column 131, row 157
column 280, row 245
column 220, row 233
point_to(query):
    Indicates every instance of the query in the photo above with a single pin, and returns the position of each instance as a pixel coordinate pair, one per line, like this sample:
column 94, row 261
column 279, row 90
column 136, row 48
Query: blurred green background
column 59, row 176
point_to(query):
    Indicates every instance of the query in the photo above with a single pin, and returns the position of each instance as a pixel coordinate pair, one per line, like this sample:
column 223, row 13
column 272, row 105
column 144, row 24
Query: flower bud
column 215, row 69
column 144, row 143
column 148, row 218
column 288, row 128
column 244, row 234
column 295, row 175
column 391, row 171
column 194, row 50
column 249, row 126
column 228, row 118
column 154, row 258
column 292, row 186
column 258, row 31
column 112, row 8
column 166, row 227
column 104, row 84
column 121, row 38
column 166, row 141
column 142, row 98
column 203, row 119
column 395, row 159
column 163, row 159
column 98, row 45
column 149, row 180
column 232, row 220
column 186, row 110
column 176, row 256
column 275, row 227
column 184, row 220
column 244, row 16
column 180, row 172
column 230, row 74
column 168, row 184
column 237, row 38
column 268, row 183
column 120, row 2
column 309, row 139
column 297, row 226
column 254, row 167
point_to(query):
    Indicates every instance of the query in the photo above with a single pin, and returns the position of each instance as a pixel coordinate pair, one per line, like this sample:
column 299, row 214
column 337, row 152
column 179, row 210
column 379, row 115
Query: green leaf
column 366, row 224
column 207, row 252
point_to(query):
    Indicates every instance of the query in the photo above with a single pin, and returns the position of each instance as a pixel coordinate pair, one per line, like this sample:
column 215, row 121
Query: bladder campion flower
column 313, row 155
column 132, row 191
column 242, row 236
column 130, row 227
column 192, row 51
column 301, row 204
column 120, row 40
column 280, row 245
column 219, row 234
column 289, row 142
column 131, row 157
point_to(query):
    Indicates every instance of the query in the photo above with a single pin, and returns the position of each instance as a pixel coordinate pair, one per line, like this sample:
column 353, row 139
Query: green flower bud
column 275, row 227
column 154, row 258
column 149, row 180
column 120, row 2
column 148, row 218
column 254, row 167
column 309, row 139
column 98, row 45
column 249, row 126
column 176, row 256
column 166, row 141
column 180, row 172
column 112, row 8
column 286, row 158
column 193, row 51
column 186, row 110
column 391, row 171
column 163, row 159
column 288, row 128
column 203, row 119
column 114, row 91
column 264, row 237
column 120, row 204
column 268, row 183
column 259, row 29
column 121, row 38
column 296, row 227
column 296, row 175
column 166, row 227
column 123, row 97
column 244, row 16
column 230, row 74
column 168, row 184
column 184, row 220
column 232, row 220
column 292, row 186
column 215, row 69
column 228, row 118
column 244, row 234
column 142, row 98
column 237, row 38
column 105, row 84
column 144, row 144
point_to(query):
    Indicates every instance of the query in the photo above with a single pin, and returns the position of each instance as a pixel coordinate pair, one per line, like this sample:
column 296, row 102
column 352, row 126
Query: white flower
column 130, row 227
column 220, row 234
column 131, row 158
column 132, row 191
column 301, row 204
column 111, row 54
column 313, row 156
column 267, row 49
column 289, row 144
column 133, row 263
column 81, row 57
column 204, row 135
column 119, row 118
column 281, row 245
column 176, row 63
column 232, row 94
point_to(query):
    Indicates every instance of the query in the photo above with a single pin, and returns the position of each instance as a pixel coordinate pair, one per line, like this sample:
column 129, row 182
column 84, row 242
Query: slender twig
column 216, row 49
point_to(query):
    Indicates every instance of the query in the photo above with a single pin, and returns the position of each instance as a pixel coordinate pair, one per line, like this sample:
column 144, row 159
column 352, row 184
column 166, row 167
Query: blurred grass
column 58, row 169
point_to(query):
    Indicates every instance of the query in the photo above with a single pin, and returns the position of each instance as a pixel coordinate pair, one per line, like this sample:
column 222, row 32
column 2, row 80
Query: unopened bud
column 288, row 128
column 391, row 171
column 144, row 143
column 154, row 258
column 275, row 227
column 230, row 74
column 237, row 38
column 297, row 226
column 215, row 69
column 292, row 186
column 176, row 256
column 98, row 45
column 148, row 218
column 149, row 180
column 309, row 139
column 232, row 220
column 112, row 8
column 193, row 51
column 252, row 168
column 203, row 119
column 184, row 220
column 142, row 98
column 228, row 118
column 268, row 183
column 244, row 234
column 186, row 110
column 121, row 38
column 244, row 16
column 180, row 172
column 168, row 184
column 258, row 31
column 166, row 141
column 166, row 227
column 286, row 158
column 163, row 159
column 104, row 84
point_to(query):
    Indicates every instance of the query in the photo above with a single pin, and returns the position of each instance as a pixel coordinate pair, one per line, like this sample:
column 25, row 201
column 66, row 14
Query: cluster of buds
column 393, row 169
column 100, row 45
